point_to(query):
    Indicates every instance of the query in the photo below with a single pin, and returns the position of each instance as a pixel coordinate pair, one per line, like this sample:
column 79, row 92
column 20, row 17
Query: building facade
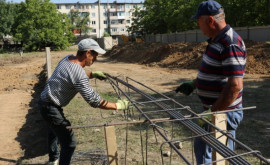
column 113, row 17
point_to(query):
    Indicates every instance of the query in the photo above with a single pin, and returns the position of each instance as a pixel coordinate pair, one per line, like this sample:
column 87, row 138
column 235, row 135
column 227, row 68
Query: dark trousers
column 57, row 132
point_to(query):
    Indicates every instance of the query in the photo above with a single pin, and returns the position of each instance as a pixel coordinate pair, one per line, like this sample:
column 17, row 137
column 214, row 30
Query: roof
column 85, row 1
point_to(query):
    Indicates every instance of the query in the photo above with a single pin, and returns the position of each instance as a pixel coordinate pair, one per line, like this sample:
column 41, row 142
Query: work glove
column 207, row 117
column 186, row 88
column 99, row 75
column 122, row 104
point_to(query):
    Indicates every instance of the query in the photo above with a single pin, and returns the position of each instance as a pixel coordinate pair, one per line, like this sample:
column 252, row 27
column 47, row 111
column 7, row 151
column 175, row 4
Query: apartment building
column 113, row 17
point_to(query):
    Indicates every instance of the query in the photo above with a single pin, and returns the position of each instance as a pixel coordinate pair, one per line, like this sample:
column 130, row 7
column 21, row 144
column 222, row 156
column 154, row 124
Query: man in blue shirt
column 219, row 82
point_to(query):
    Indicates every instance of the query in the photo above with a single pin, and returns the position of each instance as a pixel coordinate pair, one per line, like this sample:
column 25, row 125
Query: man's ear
column 85, row 54
column 211, row 20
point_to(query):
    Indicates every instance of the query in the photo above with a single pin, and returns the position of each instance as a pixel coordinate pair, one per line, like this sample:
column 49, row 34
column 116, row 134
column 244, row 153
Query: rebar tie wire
column 186, row 121
column 211, row 141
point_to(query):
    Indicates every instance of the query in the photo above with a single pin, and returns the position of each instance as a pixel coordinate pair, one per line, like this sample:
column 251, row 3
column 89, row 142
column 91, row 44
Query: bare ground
column 163, row 67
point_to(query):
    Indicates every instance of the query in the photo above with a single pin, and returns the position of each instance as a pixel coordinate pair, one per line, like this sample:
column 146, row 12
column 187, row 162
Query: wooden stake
column 220, row 121
column 48, row 62
column 111, row 145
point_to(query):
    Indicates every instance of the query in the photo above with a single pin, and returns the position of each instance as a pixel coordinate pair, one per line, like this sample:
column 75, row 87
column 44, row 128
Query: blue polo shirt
column 225, row 57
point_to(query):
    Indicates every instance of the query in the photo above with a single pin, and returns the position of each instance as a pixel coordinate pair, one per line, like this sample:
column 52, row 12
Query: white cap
column 90, row 44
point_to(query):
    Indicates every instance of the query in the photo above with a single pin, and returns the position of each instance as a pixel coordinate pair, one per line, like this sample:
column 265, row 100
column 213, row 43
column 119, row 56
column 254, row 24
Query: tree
column 136, row 24
column 7, row 12
column 39, row 25
column 169, row 16
column 80, row 21
column 165, row 16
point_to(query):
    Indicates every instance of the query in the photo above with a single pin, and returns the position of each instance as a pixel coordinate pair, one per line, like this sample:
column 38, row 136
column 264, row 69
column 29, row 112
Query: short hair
column 80, row 53
column 219, row 17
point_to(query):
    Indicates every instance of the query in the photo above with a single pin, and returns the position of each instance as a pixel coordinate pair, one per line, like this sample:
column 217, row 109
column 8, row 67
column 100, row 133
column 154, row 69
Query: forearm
column 107, row 105
column 228, row 94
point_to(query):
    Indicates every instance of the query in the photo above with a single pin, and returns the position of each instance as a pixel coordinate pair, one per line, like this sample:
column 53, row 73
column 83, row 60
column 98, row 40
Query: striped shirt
column 224, row 57
column 66, row 81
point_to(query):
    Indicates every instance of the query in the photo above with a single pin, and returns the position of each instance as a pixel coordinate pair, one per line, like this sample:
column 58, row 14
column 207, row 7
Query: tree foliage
column 7, row 14
column 168, row 16
column 80, row 21
column 39, row 24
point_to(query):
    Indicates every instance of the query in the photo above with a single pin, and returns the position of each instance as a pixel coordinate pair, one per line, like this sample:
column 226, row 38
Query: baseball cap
column 90, row 44
column 209, row 7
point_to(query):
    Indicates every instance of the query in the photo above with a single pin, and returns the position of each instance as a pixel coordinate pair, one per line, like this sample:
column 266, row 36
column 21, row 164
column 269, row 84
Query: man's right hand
column 186, row 88
column 122, row 104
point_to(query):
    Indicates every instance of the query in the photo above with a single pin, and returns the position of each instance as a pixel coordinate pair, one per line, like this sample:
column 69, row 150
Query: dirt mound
column 186, row 55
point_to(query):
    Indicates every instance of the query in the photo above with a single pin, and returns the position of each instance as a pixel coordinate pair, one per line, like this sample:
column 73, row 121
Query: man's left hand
column 207, row 117
column 99, row 75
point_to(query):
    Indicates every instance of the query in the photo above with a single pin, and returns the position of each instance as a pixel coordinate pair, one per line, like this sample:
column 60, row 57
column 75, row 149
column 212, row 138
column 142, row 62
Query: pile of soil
column 186, row 55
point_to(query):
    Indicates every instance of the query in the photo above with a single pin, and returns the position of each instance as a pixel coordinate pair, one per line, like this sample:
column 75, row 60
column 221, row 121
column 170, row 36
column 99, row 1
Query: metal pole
column 99, row 23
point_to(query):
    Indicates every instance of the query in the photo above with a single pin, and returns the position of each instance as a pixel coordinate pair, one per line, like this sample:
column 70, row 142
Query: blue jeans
column 57, row 132
column 203, row 152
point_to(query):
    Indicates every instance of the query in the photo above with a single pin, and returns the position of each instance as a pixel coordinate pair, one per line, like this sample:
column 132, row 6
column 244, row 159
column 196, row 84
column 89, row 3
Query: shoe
column 53, row 162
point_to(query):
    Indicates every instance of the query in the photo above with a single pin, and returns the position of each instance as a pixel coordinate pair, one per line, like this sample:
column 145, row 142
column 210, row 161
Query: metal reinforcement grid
column 181, row 114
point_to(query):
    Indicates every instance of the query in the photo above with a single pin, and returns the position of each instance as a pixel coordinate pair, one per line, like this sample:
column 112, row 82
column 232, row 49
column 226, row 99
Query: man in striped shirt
column 219, row 82
column 68, row 79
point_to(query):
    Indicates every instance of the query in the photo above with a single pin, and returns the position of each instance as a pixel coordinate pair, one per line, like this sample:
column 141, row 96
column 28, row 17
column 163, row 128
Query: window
column 105, row 14
column 58, row 6
column 77, row 6
column 106, row 30
column 93, row 14
column 84, row 14
column 68, row 6
column 93, row 22
column 127, row 14
column 122, row 29
column 105, row 7
column 113, row 6
column 114, row 21
column 87, row 6
column 114, row 29
column 134, row 6
column 94, row 30
column 92, row 6
column 121, row 13
column 113, row 14
column 127, row 6
column 105, row 22
column 120, row 6
column 128, row 21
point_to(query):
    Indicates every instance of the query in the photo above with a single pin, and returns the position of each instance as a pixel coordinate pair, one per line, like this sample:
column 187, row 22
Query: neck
column 77, row 60
column 217, row 29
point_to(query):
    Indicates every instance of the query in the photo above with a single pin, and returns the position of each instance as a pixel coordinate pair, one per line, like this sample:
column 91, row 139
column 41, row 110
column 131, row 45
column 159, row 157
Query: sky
column 85, row 1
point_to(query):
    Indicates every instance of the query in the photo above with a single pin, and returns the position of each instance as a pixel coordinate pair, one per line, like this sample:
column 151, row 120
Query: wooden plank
column 111, row 145
column 219, row 120
column 48, row 62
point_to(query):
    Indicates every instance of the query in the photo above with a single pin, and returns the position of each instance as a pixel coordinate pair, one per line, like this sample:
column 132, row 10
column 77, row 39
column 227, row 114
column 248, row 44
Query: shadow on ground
column 32, row 135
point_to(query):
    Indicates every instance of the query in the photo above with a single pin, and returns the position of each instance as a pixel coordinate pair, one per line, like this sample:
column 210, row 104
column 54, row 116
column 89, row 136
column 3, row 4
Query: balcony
column 118, row 25
column 113, row 17
column 121, row 17
column 112, row 10
column 118, row 33
column 120, row 9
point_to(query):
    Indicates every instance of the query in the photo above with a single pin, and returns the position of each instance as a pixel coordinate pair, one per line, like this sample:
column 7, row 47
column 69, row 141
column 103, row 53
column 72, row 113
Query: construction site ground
column 161, row 66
